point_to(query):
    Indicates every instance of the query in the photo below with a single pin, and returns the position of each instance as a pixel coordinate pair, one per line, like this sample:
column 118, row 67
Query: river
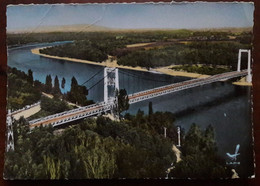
column 225, row 106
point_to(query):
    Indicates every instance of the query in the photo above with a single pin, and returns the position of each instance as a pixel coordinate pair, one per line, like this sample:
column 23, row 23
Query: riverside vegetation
column 101, row 148
column 163, row 48
column 24, row 90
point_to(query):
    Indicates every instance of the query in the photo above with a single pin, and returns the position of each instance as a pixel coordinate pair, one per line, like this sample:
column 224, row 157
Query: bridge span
column 167, row 89
column 102, row 107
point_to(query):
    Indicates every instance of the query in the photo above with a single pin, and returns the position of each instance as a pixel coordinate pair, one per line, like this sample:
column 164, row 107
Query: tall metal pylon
column 10, row 134
column 111, row 84
column 249, row 75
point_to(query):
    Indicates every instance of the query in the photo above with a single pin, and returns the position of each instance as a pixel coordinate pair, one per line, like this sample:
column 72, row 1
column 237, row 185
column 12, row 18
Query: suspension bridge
column 111, row 84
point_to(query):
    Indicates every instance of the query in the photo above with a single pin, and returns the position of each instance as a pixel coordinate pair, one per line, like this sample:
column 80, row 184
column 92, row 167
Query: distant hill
column 94, row 28
column 63, row 28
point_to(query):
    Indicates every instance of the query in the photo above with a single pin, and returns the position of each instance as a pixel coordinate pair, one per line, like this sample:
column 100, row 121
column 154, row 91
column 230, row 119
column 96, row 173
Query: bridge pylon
column 9, row 132
column 111, row 84
column 249, row 74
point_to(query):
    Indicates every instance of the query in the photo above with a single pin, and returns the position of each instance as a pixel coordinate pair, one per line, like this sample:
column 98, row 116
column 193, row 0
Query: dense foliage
column 21, row 91
column 201, row 69
column 95, row 148
column 207, row 53
column 200, row 159
column 124, row 37
column 101, row 148
column 79, row 49
column 50, row 106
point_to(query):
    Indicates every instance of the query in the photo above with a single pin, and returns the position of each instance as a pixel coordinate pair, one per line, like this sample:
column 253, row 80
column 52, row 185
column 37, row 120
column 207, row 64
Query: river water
column 224, row 106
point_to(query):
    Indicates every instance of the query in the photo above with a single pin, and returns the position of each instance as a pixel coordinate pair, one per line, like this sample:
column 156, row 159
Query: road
column 28, row 112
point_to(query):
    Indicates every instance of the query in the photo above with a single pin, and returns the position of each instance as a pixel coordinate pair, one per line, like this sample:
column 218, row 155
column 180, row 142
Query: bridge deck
column 159, row 91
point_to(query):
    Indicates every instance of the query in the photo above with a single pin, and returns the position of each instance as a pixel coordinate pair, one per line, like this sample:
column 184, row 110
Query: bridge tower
column 10, row 134
column 111, row 84
column 249, row 75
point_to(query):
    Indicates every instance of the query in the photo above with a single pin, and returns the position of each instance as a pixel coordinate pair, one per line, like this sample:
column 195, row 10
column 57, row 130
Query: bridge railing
column 66, row 112
column 76, row 116
column 104, row 108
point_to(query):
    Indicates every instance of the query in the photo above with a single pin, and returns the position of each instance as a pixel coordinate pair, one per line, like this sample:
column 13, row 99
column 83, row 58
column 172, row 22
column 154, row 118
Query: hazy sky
column 175, row 15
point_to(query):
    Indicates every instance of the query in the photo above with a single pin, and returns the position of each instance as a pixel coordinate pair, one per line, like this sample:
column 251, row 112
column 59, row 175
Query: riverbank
column 242, row 82
column 110, row 62
column 168, row 70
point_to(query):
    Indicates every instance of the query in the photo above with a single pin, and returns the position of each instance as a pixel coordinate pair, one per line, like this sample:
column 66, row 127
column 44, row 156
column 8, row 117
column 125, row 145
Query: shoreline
column 107, row 63
column 113, row 64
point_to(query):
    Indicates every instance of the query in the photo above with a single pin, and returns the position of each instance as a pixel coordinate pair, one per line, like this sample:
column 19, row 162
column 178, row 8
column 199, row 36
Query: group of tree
column 201, row 47
column 51, row 106
column 101, row 148
column 200, row 159
column 55, row 90
column 123, row 37
column 22, row 89
column 130, row 37
column 77, row 94
column 202, row 69
column 94, row 148
column 83, row 50
column 194, row 52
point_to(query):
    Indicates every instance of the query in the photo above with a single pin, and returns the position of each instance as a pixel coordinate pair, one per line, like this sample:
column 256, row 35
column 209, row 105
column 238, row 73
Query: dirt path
column 234, row 175
column 177, row 153
column 47, row 95
column 51, row 96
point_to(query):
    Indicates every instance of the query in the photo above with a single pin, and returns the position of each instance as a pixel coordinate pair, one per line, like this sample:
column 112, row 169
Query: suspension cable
column 138, row 76
column 92, row 77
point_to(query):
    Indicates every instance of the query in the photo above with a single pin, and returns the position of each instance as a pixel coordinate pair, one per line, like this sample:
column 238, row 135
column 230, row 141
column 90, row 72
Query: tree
column 56, row 89
column 63, row 83
column 73, row 85
column 78, row 93
column 30, row 76
column 48, row 84
column 123, row 101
